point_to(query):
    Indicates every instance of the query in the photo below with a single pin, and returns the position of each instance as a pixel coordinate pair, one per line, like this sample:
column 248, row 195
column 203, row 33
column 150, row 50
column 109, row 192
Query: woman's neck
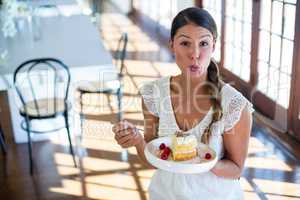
column 190, row 85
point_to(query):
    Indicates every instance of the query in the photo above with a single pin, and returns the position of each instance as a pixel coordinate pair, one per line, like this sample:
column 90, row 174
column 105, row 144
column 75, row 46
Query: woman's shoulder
column 229, row 92
column 156, row 84
column 233, row 103
column 234, row 99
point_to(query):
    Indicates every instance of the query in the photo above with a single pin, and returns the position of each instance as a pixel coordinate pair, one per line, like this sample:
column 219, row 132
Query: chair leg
column 69, row 137
column 81, row 115
column 29, row 144
column 2, row 142
column 119, row 94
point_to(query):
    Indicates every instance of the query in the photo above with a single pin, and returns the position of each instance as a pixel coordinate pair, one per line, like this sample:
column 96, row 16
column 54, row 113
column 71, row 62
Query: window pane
column 287, row 56
column 289, row 22
column 228, row 56
column 239, row 10
column 263, row 72
column 264, row 46
column 291, row 1
column 284, row 90
column 229, row 30
column 248, row 11
column 238, row 33
column 230, row 7
column 265, row 15
column 245, row 71
column 247, row 38
column 214, row 8
column 277, row 17
column 273, row 83
column 275, row 50
column 184, row 4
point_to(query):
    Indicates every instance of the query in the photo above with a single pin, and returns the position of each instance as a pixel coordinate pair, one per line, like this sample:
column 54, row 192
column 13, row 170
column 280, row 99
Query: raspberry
column 164, row 156
column 162, row 146
column 167, row 150
column 207, row 156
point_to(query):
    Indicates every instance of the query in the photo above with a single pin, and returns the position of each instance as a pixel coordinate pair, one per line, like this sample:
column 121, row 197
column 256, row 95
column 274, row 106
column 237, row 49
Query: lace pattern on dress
column 150, row 95
column 234, row 109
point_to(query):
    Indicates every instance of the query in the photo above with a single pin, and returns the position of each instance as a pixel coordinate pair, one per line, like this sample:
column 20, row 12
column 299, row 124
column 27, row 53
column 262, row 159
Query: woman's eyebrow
column 183, row 35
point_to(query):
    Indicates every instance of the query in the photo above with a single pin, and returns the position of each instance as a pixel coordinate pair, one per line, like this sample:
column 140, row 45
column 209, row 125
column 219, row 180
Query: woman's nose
column 195, row 53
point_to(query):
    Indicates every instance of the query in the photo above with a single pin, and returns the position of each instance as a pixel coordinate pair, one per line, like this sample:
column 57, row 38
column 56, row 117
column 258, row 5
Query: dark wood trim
column 235, row 81
column 199, row 3
column 264, row 104
column 5, row 118
column 293, row 111
column 254, row 43
column 223, row 28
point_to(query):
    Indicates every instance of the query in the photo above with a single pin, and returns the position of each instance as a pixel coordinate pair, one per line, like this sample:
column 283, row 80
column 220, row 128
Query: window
column 214, row 7
column 238, row 19
column 276, row 32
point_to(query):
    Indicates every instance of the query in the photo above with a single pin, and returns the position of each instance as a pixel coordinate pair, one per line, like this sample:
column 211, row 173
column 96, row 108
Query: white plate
column 193, row 166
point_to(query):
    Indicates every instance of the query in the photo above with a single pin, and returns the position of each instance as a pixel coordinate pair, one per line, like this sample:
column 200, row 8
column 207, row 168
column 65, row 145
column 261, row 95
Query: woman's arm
column 127, row 135
column 236, row 147
column 150, row 133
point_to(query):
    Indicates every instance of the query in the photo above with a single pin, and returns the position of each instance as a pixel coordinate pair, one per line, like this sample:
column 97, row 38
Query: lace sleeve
column 234, row 109
column 150, row 95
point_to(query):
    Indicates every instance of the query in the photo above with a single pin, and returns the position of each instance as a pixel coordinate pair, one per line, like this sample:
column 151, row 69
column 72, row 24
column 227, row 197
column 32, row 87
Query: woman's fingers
column 124, row 139
column 134, row 140
column 126, row 134
column 122, row 125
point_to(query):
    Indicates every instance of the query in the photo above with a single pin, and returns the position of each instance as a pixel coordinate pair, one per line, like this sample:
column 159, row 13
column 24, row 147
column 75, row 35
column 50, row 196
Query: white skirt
column 207, row 186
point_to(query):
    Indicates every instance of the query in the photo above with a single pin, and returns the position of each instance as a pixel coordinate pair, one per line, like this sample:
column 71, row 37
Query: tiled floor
column 105, row 171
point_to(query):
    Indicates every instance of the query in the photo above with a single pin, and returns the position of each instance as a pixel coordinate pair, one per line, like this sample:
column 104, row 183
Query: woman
column 199, row 103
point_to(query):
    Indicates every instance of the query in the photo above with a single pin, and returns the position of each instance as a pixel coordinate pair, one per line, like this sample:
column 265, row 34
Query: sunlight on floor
column 255, row 146
column 267, row 163
column 70, row 187
column 272, row 188
column 119, row 180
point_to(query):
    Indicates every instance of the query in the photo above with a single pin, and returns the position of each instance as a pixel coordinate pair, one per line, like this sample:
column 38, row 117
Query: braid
column 213, row 89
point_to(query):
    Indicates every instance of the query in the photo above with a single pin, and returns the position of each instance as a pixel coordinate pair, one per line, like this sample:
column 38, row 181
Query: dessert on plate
column 184, row 146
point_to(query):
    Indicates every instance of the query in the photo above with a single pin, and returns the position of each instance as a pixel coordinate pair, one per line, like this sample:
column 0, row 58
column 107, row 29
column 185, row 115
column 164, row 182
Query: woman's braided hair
column 213, row 88
column 201, row 17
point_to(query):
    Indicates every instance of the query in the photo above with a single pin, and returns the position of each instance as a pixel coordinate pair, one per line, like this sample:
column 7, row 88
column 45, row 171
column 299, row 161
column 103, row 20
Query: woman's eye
column 203, row 43
column 184, row 43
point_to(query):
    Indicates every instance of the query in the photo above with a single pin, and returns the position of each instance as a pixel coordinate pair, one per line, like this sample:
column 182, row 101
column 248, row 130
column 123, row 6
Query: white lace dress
column 170, row 186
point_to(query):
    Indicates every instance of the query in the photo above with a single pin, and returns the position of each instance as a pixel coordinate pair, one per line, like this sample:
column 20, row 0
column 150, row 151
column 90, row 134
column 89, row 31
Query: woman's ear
column 171, row 46
column 214, row 46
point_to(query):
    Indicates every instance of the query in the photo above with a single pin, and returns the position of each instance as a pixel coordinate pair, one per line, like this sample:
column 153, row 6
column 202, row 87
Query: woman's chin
column 195, row 74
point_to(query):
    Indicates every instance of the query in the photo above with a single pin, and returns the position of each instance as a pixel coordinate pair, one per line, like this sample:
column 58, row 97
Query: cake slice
column 184, row 146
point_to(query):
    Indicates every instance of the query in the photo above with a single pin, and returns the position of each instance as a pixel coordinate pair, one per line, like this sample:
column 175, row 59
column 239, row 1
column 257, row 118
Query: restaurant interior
column 93, row 56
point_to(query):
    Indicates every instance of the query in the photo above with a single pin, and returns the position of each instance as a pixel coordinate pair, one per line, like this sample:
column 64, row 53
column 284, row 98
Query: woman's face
column 193, row 46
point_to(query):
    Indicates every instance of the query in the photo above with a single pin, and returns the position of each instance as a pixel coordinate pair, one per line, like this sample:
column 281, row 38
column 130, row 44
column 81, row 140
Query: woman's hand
column 126, row 134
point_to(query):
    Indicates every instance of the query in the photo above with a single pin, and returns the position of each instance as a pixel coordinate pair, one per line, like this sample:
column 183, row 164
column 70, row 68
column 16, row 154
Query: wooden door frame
column 294, row 103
